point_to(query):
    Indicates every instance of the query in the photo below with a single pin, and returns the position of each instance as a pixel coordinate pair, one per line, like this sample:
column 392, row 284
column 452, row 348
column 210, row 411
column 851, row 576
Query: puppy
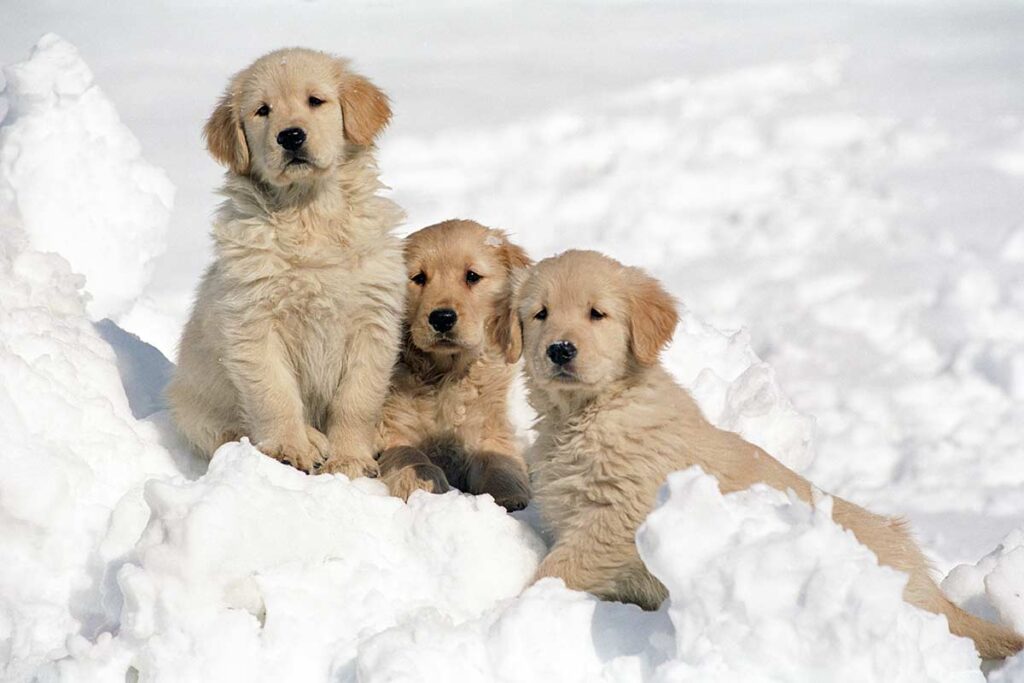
column 613, row 424
column 446, row 419
column 296, row 325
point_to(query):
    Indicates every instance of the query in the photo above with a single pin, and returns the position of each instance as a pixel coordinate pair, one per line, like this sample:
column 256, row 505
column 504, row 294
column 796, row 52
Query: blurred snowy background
column 837, row 187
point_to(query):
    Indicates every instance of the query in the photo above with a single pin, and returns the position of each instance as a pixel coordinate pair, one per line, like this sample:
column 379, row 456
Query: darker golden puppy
column 446, row 419
column 614, row 423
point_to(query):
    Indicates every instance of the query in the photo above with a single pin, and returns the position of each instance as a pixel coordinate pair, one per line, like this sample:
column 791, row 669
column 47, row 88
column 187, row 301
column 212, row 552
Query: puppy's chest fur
column 289, row 271
column 311, row 281
column 612, row 456
column 446, row 407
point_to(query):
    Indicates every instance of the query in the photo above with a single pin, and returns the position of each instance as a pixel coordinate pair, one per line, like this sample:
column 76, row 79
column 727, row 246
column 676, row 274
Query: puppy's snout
column 561, row 352
column 442, row 319
column 291, row 138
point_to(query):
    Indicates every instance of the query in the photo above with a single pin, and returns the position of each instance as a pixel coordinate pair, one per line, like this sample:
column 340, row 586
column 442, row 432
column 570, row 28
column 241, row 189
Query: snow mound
column 1011, row 672
column 72, row 464
column 258, row 572
column 74, row 176
column 739, row 392
column 763, row 587
column 994, row 587
column 766, row 587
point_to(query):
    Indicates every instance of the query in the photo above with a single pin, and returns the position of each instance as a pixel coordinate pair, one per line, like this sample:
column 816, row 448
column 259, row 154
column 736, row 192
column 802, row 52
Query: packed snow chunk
column 75, row 177
column 765, row 587
column 994, row 587
column 259, row 572
column 549, row 633
column 71, row 466
column 762, row 587
column 1011, row 672
column 738, row 391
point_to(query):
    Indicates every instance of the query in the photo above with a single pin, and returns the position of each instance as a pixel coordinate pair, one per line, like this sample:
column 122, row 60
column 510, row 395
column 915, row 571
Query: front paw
column 509, row 487
column 423, row 477
column 298, row 450
column 320, row 443
column 352, row 467
column 515, row 500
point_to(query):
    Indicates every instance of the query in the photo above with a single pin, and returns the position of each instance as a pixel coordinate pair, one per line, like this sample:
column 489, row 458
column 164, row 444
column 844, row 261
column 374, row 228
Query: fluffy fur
column 446, row 419
column 613, row 423
column 296, row 325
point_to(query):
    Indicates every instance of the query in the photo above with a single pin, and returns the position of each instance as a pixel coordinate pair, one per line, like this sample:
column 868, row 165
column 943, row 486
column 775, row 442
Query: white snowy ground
column 844, row 183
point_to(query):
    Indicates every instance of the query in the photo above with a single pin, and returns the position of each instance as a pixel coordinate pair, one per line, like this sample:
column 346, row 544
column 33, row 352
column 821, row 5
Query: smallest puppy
column 445, row 421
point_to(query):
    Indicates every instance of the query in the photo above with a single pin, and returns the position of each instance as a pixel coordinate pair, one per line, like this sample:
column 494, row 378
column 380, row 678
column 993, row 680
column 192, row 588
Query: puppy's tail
column 993, row 641
column 892, row 543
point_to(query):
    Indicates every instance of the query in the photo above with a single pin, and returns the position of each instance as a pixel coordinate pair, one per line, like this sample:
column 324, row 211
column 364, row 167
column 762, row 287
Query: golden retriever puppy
column 613, row 424
column 446, row 419
column 296, row 325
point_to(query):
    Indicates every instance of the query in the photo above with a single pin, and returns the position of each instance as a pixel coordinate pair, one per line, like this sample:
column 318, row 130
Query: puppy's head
column 294, row 115
column 589, row 321
column 459, row 274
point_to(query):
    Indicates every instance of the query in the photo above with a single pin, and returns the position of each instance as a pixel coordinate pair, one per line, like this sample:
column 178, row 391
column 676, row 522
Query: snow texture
column 754, row 192
column 993, row 587
column 73, row 462
column 75, row 177
column 762, row 588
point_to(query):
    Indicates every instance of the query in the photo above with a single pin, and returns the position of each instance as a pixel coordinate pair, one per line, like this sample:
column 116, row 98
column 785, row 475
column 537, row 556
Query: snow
column 762, row 588
column 833, row 193
column 992, row 587
column 258, row 572
column 108, row 234
column 73, row 462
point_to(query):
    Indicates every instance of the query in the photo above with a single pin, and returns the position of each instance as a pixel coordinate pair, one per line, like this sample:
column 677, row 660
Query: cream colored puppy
column 446, row 418
column 296, row 324
column 613, row 424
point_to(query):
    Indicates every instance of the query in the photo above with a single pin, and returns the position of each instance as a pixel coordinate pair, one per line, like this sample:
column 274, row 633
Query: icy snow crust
column 123, row 557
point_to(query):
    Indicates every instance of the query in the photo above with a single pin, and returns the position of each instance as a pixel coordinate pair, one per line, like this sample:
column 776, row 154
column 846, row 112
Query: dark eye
column 473, row 277
column 596, row 314
column 542, row 314
column 264, row 110
column 419, row 278
column 315, row 101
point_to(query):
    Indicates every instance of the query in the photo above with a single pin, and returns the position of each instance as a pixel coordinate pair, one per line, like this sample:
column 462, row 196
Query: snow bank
column 738, row 391
column 765, row 587
column 72, row 463
column 994, row 587
column 74, row 176
column 762, row 588
column 259, row 572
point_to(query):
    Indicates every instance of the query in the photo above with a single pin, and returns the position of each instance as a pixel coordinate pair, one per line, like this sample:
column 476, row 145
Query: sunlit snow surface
column 855, row 206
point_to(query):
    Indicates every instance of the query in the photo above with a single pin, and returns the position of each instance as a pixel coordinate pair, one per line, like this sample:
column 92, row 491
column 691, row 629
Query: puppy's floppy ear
column 365, row 109
column 514, row 257
column 505, row 326
column 652, row 318
column 225, row 138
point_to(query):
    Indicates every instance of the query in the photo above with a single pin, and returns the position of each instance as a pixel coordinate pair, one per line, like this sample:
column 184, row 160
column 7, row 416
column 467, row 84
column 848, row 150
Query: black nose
column 442, row 319
column 291, row 138
column 561, row 352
